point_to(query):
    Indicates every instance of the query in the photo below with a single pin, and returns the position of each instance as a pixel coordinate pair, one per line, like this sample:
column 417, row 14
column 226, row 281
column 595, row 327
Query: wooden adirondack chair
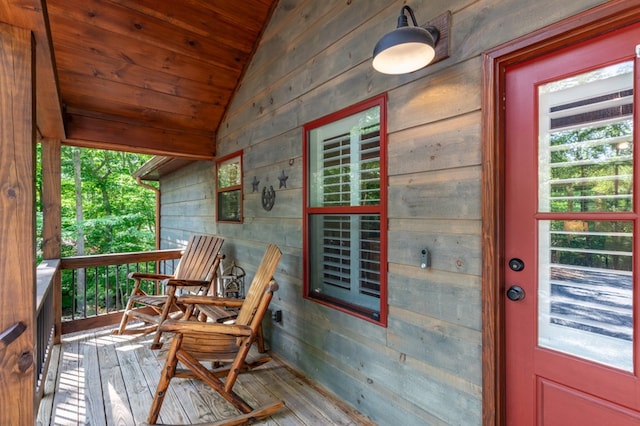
column 195, row 273
column 196, row 342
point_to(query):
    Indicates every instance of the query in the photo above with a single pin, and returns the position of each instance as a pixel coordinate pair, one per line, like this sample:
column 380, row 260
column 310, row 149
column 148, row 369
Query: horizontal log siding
column 314, row 59
column 187, row 204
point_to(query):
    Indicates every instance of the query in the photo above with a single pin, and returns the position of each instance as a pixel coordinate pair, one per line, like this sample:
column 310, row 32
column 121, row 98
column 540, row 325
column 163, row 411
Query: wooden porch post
column 17, row 227
column 52, row 222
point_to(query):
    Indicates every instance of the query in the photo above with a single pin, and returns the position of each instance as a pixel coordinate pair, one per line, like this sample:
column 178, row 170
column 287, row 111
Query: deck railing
column 45, row 319
column 95, row 288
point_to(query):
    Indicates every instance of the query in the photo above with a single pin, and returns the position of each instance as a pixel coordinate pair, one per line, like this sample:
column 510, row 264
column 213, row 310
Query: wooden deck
column 100, row 379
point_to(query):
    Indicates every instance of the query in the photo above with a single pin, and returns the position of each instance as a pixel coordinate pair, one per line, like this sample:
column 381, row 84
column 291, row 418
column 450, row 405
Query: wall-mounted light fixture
column 407, row 49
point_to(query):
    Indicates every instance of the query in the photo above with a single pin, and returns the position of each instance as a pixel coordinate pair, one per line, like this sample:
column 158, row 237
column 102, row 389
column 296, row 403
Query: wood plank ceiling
column 152, row 76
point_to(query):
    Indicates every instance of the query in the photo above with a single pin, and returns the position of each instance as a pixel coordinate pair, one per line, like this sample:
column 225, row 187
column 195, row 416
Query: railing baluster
column 106, row 289
column 126, row 286
column 117, row 289
column 95, row 292
column 74, row 294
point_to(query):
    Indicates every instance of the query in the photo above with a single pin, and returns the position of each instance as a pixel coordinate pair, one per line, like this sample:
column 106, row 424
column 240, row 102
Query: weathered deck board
column 94, row 401
column 50, row 386
column 303, row 399
column 113, row 387
column 100, row 379
column 137, row 389
column 66, row 408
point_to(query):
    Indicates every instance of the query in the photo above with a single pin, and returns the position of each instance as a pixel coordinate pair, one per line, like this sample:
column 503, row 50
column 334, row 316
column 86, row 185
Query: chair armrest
column 148, row 276
column 211, row 300
column 186, row 283
column 196, row 327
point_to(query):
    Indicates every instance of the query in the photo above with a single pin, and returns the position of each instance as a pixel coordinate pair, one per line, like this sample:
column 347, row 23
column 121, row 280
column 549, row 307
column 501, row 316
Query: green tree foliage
column 119, row 214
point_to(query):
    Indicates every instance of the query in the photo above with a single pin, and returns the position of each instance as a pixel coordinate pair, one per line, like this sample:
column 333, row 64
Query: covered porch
column 99, row 378
column 211, row 80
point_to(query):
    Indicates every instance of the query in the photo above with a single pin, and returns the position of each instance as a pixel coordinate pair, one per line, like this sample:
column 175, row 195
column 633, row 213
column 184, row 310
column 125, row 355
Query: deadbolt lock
column 516, row 264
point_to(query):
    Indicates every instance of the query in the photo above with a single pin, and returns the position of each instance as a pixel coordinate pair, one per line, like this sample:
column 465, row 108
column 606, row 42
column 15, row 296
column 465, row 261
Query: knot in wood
column 25, row 361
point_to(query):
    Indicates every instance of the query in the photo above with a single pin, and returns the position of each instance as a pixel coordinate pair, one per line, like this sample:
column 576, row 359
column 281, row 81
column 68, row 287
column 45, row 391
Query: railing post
column 17, row 236
column 52, row 226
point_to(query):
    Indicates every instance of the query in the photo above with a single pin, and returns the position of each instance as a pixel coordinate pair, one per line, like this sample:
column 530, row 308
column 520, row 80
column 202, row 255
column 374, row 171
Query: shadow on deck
column 100, row 379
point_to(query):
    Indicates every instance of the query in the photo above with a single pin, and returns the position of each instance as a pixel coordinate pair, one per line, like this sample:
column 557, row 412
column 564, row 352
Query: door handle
column 516, row 293
column 11, row 334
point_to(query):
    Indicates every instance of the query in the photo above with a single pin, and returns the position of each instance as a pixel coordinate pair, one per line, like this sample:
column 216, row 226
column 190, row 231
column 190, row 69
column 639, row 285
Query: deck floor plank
column 45, row 409
column 209, row 406
column 93, row 396
column 307, row 410
column 258, row 394
column 98, row 378
column 66, row 401
column 116, row 404
column 336, row 412
column 137, row 388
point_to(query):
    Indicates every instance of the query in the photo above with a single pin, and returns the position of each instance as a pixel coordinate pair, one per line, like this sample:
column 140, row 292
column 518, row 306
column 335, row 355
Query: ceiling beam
column 91, row 132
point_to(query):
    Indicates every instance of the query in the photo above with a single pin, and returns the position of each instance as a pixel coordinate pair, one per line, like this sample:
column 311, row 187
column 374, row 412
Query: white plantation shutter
column 351, row 168
column 336, row 171
column 351, row 254
column 350, row 260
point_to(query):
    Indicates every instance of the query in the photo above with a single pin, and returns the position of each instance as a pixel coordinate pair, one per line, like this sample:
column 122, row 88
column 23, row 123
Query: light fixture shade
column 404, row 50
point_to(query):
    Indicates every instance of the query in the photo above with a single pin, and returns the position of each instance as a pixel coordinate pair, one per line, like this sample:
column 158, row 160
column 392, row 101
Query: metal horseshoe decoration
column 268, row 197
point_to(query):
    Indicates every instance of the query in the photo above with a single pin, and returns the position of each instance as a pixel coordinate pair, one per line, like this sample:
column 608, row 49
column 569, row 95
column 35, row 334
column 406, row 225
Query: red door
column 571, row 243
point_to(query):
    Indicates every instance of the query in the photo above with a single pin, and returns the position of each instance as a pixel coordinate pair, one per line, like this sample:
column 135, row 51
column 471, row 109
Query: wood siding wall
column 314, row 59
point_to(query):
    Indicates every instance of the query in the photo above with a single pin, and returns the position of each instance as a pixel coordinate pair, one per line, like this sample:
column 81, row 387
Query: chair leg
column 169, row 371
column 260, row 341
column 171, row 294
column 125, row 317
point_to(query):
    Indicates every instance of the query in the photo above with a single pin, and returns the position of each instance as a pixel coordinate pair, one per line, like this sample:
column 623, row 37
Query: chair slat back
column 258, row 286
column 200, row 258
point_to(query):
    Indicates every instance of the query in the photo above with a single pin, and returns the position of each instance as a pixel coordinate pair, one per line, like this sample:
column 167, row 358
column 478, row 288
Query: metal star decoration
column 283, row 180
column 255, row 184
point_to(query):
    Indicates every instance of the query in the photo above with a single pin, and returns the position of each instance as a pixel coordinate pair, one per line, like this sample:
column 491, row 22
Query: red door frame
column 609, row 16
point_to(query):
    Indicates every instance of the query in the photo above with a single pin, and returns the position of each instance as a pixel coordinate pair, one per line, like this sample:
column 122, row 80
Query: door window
column 585, row 186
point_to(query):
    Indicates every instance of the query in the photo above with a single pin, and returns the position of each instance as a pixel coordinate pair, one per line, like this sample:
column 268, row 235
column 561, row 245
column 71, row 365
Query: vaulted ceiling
column 152, row 76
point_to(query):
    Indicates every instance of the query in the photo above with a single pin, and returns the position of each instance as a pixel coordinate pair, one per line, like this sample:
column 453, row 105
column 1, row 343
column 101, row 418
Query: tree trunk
column 77, row 176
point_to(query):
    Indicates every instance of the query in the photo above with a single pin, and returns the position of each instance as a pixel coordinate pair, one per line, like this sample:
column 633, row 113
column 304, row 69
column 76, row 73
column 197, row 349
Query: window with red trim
column 229, row 188
column 345, row 215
